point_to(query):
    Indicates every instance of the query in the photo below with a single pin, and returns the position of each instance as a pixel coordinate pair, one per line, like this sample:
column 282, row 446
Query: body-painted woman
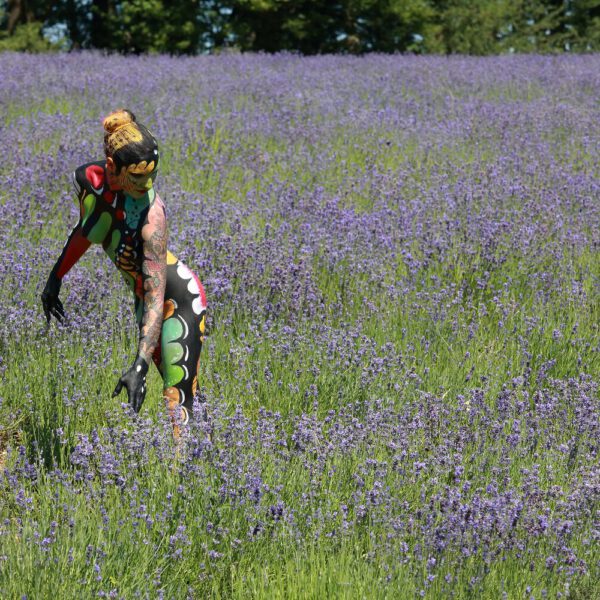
column 120, row 209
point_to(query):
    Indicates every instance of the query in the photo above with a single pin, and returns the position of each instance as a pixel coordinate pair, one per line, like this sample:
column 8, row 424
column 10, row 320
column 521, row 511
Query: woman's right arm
column 73, row 250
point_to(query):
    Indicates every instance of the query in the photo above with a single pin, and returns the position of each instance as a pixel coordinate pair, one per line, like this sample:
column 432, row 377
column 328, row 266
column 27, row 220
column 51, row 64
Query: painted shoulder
column 96, row 201
column 90, row 178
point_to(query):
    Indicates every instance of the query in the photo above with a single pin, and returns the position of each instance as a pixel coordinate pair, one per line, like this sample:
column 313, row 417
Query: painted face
column 137, row 180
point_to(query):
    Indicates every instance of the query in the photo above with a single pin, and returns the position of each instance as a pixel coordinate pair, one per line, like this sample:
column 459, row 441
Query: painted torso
column 115, row 220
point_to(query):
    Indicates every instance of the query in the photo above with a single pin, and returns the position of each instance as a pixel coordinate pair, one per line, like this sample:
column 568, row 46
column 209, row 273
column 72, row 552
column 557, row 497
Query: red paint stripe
column 74, row 250
column 202, row 292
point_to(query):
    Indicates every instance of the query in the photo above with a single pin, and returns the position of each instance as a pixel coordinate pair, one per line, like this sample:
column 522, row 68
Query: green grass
column 451, row 346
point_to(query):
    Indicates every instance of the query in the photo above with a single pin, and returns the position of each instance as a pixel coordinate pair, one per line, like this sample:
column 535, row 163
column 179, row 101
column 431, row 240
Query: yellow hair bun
column 117, row 119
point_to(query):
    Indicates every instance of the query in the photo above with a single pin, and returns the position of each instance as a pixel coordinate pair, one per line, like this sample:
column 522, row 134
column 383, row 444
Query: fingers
column 132, row 393
column 59, row 316
column 46, row 312
column 140, row 396
column 59, row 308
column 118, row 389
column 136, row 389
column 131, row 397
column 46, row 305
column 138, row 399
column 53, row 307
column 137, row 402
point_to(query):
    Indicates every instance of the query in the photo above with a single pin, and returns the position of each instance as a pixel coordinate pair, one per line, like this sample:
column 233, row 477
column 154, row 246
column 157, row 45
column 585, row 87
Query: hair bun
column 117, row 119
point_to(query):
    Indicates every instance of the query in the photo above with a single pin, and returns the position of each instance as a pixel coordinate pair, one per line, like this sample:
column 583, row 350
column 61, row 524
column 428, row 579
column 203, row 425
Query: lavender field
column 399, row 389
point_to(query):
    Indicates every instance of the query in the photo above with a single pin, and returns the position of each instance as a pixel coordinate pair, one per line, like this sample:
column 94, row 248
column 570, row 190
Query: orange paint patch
column 171, row 396
column 169, row 309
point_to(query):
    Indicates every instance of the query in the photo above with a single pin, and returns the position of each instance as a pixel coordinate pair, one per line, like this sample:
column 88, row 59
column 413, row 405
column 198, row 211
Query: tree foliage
column 26, row 37
column 308, row 26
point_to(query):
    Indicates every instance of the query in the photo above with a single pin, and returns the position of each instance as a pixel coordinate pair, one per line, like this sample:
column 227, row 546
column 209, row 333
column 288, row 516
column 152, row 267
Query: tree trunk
column 17, row 10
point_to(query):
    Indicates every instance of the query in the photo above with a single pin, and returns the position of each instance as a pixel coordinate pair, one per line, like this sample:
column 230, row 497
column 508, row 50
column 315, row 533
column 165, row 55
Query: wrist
column 54, row 273
column 54, row 282
column 140, row 366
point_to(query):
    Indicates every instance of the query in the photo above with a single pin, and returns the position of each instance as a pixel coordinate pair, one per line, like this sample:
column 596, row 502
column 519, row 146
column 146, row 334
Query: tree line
column 476, row 27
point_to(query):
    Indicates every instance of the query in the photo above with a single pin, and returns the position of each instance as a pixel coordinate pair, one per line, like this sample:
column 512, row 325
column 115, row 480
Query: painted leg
column 182, row 335
column 177, row 412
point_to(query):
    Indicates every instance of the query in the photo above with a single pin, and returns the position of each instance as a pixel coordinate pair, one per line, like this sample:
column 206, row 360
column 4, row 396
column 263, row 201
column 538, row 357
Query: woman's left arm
column 154, row 276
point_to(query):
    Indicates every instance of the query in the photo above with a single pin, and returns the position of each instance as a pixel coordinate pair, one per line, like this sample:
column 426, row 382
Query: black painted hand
column 52, row 305
column 135, row 382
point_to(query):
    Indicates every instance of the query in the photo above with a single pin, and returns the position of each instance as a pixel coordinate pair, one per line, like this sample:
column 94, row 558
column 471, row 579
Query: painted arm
column 154, row 276
column 74, row 249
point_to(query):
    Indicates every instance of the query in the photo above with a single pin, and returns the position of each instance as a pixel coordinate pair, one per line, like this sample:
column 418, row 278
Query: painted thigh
column 178, row 352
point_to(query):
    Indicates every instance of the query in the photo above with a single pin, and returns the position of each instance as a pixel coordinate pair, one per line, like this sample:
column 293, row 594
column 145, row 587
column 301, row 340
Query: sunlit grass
column 395, row 397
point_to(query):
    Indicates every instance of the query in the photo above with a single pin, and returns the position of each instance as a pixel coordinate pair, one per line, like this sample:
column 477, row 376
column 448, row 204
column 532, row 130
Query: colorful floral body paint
column 115, row 219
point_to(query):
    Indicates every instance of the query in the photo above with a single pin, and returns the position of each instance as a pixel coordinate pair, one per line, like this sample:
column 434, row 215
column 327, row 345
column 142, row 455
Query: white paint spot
column 183, row 271
column 185, row 417
column 186, row 329
column 197, row 305
column 193, row 287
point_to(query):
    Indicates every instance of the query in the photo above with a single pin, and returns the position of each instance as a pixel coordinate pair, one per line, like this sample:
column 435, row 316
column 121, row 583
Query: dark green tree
column 22, row 12
column 473, row 26
column 22, row 22
column 156, row 26
column 317, row 26
column 101, row 24
column 134, row 26
column 583, row 21
column 306, row 26
column 542, row 26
